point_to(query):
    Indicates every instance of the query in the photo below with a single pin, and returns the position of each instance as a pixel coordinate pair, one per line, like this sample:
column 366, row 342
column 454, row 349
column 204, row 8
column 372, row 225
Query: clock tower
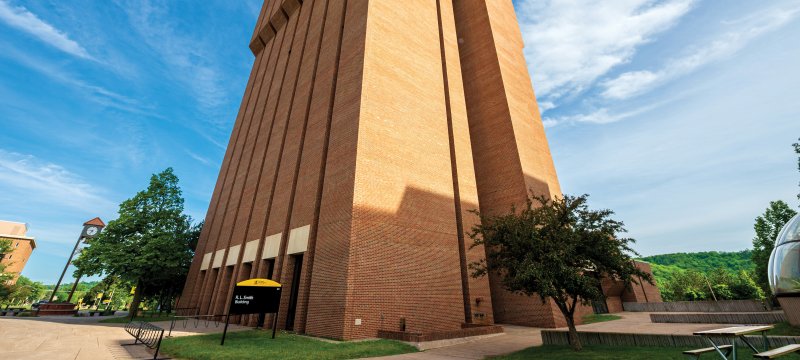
column 90, row 229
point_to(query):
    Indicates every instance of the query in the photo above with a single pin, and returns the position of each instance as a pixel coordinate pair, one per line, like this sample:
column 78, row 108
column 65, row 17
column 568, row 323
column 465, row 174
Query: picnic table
column 733, row 333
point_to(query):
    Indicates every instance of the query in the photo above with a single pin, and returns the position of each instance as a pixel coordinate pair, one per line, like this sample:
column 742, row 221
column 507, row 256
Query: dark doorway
column 268, row 265
column 600, row 306
column 290, row 312
column 207, row 292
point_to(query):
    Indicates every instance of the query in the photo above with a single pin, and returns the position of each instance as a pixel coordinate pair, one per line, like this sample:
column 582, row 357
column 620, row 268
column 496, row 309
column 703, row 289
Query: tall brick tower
column 368, row 131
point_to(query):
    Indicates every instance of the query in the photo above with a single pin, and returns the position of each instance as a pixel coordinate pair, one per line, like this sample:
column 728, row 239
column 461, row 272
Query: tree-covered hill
column 667, row 264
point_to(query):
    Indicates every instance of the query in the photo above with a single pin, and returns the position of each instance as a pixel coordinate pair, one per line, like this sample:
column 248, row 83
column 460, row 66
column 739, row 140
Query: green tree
column 767, row 227
column 148, row 244
column 5, row 289
column 689, row 285
column 744, row 287
column 550, row 250
column 26, row 291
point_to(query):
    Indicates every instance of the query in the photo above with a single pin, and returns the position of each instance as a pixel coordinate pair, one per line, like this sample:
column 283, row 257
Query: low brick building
column 21, row 247
column 368, row 132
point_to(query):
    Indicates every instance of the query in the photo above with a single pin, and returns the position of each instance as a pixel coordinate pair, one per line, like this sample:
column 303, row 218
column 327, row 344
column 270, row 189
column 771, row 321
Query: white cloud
column 544, row 106
column 600, row 116
column 93, row 92
column 191, row 62
column 633, row 83
column 22, row 19
column 48, row 183
column 569, row 44
column 199, row 158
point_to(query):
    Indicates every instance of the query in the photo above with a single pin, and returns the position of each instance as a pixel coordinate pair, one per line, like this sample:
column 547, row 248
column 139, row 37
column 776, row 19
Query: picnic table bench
column 733, row 333
column 781, row 351
column 695, row 354
column 739, row 332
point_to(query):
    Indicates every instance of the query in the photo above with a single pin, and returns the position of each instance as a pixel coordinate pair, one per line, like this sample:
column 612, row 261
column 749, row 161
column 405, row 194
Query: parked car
column 36, row 305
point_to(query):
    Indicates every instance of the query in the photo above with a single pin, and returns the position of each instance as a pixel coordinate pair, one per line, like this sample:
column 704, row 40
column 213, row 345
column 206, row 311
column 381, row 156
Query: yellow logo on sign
column 259, row 282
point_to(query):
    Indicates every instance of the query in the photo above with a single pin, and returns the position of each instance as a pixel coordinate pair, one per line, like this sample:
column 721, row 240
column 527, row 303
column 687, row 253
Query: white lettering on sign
column 242, row 299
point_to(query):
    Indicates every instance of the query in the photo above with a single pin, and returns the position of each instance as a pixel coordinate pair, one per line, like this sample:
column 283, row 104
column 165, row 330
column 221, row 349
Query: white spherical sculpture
column 784, row 269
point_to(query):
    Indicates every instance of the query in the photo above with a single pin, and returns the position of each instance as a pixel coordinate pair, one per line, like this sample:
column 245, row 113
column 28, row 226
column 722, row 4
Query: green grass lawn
column 610, row 352
column 784, row 329
column 257, row 344
column 596, row 318
column 125, row 319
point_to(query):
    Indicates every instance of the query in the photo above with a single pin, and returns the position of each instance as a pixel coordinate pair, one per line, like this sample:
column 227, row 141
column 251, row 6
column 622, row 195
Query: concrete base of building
column 58, row 309
column 791, row 307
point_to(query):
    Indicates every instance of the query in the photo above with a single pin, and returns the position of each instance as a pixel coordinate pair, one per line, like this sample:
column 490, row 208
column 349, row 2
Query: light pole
column 90, row 229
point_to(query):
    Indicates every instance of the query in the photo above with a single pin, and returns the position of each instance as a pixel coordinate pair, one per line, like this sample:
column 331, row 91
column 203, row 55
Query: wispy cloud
column 93, row 92
column 199, row 158
column 570, row 44
column 633, row 83
column 49, row 183
column 191, row 61
column 600, row 116
column 19, row 17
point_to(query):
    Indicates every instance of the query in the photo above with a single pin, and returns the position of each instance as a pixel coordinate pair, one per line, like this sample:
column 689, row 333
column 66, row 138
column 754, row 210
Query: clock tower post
column 90, row 229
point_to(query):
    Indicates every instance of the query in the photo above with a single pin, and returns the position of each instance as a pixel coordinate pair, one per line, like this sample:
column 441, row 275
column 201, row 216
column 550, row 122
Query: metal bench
column 781, row 351
column 695, row 354
column 12, row 311
column 146, row 333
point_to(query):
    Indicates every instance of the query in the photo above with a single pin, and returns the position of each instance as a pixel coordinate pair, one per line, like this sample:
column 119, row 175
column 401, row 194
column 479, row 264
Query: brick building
column 367, row 132
column 21, row 247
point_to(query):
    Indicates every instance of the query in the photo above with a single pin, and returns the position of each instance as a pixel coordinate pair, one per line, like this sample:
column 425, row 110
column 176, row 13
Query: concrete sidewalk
column 78, row 338
column 514, row 339
column 85, row 338
column 517, row 338
column 639, row 322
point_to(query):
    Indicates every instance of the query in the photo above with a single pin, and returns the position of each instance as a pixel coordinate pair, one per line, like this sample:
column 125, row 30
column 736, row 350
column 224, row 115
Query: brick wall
column 375, row 127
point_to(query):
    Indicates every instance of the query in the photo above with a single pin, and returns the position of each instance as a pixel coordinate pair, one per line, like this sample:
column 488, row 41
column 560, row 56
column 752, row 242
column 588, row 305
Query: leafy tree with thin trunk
column 556, row 249
column 148, row 244
column 767, row 228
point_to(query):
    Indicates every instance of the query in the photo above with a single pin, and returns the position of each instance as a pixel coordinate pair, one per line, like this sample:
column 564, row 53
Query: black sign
column 254, row 296
column 255, row 300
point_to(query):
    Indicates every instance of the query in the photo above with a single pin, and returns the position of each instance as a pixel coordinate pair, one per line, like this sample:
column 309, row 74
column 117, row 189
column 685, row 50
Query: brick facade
column 367, row 133
column 21, row 247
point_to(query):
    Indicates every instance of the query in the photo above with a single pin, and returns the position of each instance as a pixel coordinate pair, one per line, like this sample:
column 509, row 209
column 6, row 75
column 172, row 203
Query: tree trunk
column 137, row 298
column 573, row 333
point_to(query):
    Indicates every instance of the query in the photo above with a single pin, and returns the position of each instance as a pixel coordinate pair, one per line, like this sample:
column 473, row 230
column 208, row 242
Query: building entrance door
column 290, row 313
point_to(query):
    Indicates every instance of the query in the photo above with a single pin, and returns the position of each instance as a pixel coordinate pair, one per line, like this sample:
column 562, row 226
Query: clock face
column 91, row 231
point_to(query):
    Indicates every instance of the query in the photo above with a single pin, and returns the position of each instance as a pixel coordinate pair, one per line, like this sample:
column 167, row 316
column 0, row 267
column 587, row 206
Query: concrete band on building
column 367, row 133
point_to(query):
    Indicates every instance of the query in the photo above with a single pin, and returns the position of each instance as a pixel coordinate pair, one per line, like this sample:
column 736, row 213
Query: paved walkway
column 514, row 339
column 517, row 338
column 71, row 338
column 639, row 322
column 84, row 338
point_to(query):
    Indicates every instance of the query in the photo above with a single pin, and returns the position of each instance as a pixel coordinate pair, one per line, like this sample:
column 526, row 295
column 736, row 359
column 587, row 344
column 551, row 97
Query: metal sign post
column 254, row 296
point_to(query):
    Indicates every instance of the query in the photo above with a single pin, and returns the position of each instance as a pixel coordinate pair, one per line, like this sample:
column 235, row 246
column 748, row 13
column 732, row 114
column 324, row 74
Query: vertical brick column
column 509, row 147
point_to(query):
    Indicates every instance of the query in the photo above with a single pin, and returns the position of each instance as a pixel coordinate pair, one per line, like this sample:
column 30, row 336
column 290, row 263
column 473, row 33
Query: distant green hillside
column 667, row 264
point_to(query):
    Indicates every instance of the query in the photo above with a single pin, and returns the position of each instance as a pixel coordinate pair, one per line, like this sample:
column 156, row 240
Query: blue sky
column 677, row 114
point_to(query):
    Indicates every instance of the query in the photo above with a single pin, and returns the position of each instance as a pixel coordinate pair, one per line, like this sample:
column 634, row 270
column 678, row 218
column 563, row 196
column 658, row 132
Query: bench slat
column 706, row 350
column 783, row 350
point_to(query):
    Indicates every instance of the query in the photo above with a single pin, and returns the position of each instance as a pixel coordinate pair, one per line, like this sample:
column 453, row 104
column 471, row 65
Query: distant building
column 21, row 247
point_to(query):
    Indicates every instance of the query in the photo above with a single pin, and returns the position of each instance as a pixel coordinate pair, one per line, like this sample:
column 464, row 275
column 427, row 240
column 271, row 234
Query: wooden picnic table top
column 735, row 330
